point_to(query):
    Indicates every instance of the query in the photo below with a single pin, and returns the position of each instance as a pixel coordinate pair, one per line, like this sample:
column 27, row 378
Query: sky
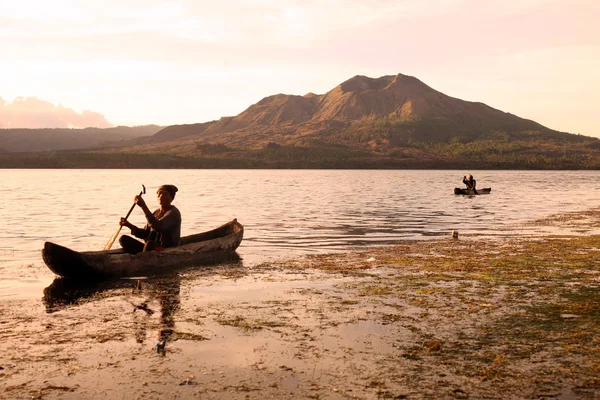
column 134, row 62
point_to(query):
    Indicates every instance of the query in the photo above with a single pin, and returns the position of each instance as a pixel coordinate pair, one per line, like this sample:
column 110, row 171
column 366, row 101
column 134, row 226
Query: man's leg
column 151, row 246
column 131, row 245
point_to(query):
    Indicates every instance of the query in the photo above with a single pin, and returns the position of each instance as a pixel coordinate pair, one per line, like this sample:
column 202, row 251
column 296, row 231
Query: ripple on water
column 285, row 212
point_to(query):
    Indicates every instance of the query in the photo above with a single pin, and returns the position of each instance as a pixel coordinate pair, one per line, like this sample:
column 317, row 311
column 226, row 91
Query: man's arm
column 167, row 222
column 141, row 233
column 135, row 231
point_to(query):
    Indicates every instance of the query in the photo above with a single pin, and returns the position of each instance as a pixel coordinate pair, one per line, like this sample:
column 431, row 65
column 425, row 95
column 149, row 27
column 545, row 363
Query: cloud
column 32, row 112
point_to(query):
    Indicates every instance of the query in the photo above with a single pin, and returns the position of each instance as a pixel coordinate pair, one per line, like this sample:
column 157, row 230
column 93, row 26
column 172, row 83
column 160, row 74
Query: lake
column 286, row 213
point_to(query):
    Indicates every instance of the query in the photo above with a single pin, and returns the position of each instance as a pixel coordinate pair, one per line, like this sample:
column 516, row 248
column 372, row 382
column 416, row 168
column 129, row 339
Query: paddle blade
column 112, row 239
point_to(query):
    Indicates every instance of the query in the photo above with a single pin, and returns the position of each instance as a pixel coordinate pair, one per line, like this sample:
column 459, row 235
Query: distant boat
column 199, row 248
column 472, row 192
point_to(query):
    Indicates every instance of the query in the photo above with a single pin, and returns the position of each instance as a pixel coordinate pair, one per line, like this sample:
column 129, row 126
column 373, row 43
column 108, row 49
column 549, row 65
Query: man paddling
column 470, row 182
column 163, row 227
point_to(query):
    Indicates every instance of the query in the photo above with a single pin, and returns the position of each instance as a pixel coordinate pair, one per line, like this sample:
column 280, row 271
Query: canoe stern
column 66, row 262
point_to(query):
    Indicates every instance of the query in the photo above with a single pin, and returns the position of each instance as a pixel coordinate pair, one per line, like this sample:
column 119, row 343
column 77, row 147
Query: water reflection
column 163, row 291
column 166, row 291
column 147, row 295
column 64, row 292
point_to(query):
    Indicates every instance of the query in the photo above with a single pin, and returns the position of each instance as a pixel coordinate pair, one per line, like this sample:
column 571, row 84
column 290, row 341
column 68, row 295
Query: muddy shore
column 452, row 318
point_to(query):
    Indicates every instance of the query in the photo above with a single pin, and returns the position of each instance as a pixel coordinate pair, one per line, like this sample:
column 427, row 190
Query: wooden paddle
column 114, row 236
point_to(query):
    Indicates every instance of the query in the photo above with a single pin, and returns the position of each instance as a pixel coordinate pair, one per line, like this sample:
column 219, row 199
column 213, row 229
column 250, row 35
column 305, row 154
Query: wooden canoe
column 471, row 192
column 201, row 248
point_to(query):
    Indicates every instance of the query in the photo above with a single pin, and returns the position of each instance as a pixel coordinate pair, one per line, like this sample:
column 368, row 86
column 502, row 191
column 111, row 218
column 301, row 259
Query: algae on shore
column 467, row 318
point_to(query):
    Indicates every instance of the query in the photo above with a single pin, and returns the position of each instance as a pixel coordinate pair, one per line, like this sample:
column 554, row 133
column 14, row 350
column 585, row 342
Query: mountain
column 31, row 140
column 389, row 111
column 393, row 121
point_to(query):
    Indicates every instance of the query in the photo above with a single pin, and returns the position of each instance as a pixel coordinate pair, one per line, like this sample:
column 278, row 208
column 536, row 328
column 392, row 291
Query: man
column 163, row 227
column 470, row 182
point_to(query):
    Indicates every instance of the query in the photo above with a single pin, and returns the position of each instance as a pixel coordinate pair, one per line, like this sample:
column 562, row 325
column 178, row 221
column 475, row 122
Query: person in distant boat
column 163, row 227
column 470, row 182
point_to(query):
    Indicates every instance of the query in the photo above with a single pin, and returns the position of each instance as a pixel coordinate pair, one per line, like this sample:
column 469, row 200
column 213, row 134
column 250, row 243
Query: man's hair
column 171, row 189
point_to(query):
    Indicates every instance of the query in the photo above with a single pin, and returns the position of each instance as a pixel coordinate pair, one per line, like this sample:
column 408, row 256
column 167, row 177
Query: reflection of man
column 166, row 290
column 168, row 296
column 63, row 293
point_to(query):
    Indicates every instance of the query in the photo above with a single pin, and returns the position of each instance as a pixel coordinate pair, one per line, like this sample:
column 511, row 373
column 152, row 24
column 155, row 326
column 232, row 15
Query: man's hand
column 139, row 200
column 124, row 222
column 141, row 203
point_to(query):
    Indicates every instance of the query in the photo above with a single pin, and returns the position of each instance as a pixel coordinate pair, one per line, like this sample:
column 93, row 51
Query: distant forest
column 494, row 153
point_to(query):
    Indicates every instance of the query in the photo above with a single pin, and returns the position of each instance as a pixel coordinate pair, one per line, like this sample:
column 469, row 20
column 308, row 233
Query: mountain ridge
column 56, row 139
column 394, row 121
column 410, row 107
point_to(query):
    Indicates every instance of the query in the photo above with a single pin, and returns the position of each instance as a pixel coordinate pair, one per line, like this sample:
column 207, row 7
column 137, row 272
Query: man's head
column 166, row 194
column 171, row 189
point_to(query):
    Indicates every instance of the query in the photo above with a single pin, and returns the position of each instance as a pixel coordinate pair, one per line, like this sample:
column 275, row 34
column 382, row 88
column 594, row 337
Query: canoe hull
column 471, row 192
column 202, row 248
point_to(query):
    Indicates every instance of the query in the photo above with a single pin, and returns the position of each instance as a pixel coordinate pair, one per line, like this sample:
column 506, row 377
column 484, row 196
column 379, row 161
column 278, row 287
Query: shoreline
column 468, row 318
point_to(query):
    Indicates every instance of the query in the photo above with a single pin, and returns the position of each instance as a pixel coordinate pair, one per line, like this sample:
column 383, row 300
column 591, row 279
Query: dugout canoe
column 471, row 192
column 200, row 248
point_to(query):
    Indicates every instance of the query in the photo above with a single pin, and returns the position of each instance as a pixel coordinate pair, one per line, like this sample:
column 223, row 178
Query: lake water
column 286, row 213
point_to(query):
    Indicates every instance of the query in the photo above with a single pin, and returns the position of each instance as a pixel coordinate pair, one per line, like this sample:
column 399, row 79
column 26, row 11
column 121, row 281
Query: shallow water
column 286, row 213
column 276, row 331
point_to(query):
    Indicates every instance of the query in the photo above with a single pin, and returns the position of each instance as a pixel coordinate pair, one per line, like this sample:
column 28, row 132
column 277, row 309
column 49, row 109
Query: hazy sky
column 171, row 62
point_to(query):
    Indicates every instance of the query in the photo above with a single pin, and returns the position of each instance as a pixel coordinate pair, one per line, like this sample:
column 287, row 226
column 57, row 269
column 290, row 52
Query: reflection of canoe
column 471, row 191
column 200, row 248
column 65, row 292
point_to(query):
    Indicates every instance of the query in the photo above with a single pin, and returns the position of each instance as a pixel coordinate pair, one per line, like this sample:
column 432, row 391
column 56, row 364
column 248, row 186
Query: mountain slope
column 393, row 121
column 388, row 111
column 28, row 140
